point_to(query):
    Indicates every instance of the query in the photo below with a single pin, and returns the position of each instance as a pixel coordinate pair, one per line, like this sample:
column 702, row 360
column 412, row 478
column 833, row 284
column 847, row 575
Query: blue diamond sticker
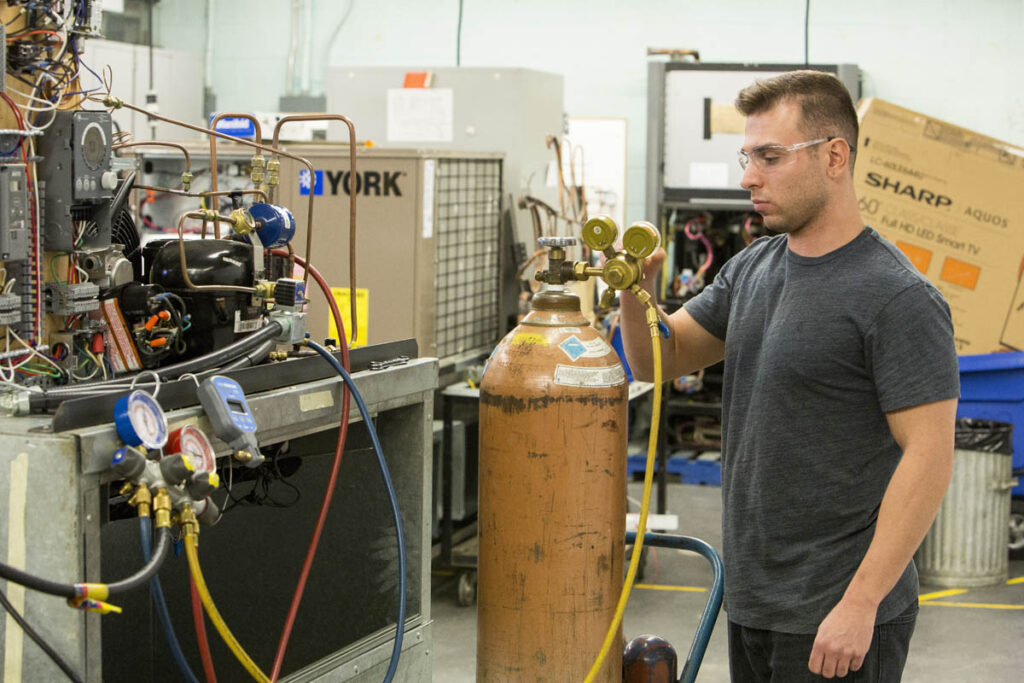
column 573, row 348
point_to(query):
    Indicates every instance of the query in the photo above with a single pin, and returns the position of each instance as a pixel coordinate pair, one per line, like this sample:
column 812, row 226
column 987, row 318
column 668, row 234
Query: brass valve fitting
column 273, row 172
column 243, row 456
column 188, row 522
column 186, row 180
column 265, row 288
column 242, row 221
column 162, row 507
column 258, row 165
column 141, row 500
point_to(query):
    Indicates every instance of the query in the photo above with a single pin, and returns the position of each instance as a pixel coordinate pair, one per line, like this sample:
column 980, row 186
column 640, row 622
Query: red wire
column 32, row 33
column 204, row 644
column 331, row 482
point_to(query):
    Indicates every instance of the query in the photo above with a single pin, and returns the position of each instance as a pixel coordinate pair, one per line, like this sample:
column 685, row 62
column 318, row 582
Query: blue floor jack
column 649, row 659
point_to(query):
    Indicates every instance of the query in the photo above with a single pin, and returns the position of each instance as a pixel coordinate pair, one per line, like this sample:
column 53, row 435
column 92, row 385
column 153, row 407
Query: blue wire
column 156, row 591
column 396, row 650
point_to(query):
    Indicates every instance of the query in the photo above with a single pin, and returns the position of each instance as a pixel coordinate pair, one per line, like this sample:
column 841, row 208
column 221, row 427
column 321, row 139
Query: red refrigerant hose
column 204, row 644
column 335, row 466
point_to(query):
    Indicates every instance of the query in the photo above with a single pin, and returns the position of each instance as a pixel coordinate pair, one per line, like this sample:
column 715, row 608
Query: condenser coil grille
column 468, row 226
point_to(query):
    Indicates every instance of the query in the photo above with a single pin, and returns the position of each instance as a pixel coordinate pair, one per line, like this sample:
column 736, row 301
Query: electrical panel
column 76, row 177
column 694, row 129
column 15, row 231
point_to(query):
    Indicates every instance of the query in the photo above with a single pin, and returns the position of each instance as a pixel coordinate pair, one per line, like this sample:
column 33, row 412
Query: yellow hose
column 645, row 503
column 215, row 617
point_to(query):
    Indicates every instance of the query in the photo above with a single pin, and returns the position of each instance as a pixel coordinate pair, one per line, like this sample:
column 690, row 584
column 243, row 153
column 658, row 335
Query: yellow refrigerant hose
column 211, row 611
column 645, row 504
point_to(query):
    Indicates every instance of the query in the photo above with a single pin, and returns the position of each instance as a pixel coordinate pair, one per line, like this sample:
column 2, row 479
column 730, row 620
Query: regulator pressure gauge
column 190, row 441
column 140, row 420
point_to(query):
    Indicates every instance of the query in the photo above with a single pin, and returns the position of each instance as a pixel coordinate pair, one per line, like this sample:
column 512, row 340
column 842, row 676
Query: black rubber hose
column 36, row 583
column 142, row 577
column 38, row 640
column 252, row 358
column 68, row 590
column 50, row 398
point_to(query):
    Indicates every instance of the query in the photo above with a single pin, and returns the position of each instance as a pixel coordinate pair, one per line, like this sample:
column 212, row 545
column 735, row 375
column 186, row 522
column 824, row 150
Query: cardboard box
column 951, row 200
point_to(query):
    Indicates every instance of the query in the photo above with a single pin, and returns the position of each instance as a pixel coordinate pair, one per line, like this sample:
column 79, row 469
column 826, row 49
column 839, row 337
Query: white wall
column 952, row 59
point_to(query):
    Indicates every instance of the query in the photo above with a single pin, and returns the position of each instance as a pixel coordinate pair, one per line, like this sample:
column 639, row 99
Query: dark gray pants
column 758, row 656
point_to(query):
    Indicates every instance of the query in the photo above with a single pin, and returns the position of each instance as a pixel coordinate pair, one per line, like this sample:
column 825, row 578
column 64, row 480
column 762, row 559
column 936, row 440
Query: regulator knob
column 556, row 242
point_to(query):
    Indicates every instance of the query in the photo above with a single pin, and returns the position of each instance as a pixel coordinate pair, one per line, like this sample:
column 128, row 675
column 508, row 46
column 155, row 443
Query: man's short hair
column 825, row 103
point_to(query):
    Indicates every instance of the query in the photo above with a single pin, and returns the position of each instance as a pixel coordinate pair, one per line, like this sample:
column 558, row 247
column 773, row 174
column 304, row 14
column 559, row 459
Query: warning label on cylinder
column 576, row 348
column 575, row 376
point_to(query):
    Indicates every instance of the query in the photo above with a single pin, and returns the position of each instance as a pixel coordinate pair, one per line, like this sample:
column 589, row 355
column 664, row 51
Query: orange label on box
column 960, row 273
column 921, row 258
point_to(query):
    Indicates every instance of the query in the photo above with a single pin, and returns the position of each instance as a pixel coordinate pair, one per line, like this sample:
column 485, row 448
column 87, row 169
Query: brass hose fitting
column 259, row 164
column 188, row 522
column 186, row 180
column 265, row 289
column 162, row 508
column 273, row 172
column 141, row 500
column 243, row 456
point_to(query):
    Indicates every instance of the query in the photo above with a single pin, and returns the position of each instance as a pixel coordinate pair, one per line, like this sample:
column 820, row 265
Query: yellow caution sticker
column 529, row 339
column 343, row 299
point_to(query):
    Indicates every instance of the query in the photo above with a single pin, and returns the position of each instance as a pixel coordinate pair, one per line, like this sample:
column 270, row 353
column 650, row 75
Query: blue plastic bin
column 992, row 388
column 704, row 472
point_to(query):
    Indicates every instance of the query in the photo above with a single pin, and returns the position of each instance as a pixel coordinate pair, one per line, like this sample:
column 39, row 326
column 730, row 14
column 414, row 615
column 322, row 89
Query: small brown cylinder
column 553, row 404
column 649, row 659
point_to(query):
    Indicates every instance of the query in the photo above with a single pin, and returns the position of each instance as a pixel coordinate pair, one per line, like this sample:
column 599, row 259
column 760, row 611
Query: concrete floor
column 952, row 644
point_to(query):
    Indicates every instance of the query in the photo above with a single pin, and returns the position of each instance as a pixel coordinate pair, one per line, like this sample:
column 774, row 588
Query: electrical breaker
column 15, row 235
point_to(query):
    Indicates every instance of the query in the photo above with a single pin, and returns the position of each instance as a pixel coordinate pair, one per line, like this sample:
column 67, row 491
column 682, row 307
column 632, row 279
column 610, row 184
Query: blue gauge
column 140, row 420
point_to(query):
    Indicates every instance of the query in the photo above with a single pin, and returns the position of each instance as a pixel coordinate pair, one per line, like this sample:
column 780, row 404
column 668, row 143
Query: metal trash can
column 966, row 545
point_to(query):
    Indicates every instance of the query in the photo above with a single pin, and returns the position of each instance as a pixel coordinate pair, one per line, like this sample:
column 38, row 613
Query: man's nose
column 751, row 178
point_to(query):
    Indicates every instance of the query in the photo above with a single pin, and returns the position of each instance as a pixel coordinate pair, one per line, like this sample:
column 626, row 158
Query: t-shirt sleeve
column 710, row 308
column 911, row 352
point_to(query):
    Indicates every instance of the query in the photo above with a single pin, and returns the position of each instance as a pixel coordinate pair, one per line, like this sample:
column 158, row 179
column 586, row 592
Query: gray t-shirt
column 817, row 351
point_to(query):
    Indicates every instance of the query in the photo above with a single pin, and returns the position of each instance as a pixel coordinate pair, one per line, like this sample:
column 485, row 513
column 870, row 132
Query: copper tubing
column 554, row 143
column 184, row 268
column 351, row 201
column 221, row 193
column 158, row 143
column 216, row 226
column 213, row 140
column 115, row 103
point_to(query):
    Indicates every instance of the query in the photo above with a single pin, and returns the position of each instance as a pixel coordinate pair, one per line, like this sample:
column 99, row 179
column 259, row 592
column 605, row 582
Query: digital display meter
column 233, row 422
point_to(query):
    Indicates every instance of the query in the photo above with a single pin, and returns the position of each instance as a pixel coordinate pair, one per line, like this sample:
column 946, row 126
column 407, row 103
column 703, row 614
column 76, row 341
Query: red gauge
column 190, row 441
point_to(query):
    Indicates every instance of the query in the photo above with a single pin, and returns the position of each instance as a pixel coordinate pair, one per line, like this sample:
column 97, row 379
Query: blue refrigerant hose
column 157, row 593
column 396, row 651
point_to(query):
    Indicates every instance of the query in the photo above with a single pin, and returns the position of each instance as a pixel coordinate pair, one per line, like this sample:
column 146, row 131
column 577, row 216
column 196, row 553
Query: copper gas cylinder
column 553, row 403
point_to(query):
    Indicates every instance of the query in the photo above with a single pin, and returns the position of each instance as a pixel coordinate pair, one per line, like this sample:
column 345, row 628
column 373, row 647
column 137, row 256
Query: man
column 839, row 400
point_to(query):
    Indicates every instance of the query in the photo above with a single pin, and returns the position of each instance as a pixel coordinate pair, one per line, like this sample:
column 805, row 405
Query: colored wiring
column 156, row 592
column 396, row 650
column 645, row 502
column 211, row 610
column 332, row 480
column 38, row 640
column 699, row 235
